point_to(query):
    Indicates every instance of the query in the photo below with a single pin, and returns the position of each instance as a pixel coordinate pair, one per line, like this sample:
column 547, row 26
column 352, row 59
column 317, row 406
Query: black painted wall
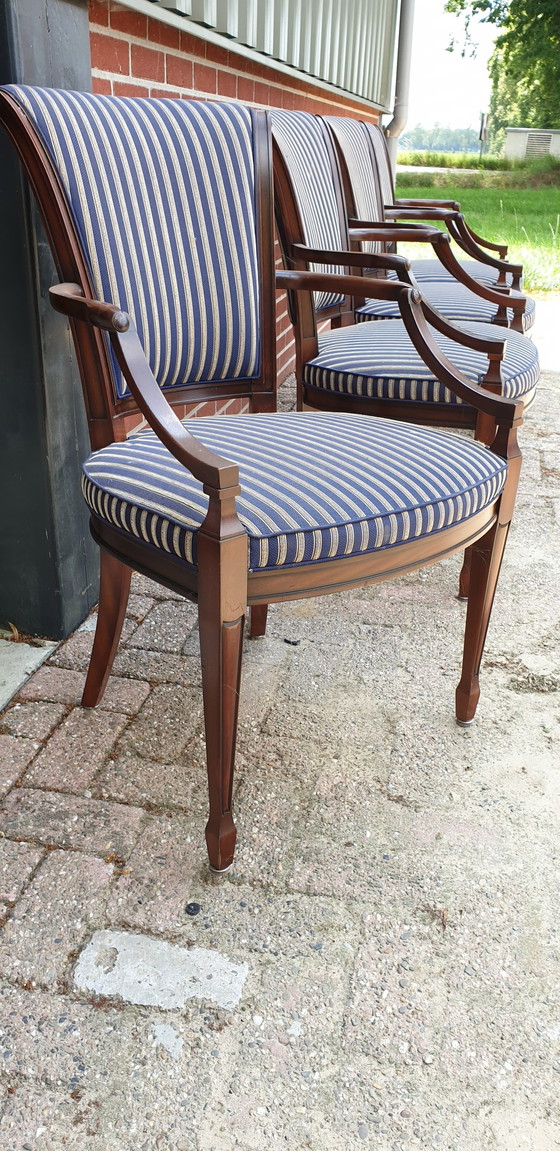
column 48, row 563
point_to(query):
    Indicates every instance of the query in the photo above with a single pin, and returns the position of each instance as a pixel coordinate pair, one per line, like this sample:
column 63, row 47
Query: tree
column 525, row 64
column 439, row 139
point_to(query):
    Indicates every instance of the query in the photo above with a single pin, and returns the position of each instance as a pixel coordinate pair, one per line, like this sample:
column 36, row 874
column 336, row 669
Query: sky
column 444, row 87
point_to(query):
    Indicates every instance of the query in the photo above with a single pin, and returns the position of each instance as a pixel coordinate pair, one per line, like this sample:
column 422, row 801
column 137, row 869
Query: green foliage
column 452, row 159
column 488, row 171
column 525, row 65
column 440, row 139
column 526, row 219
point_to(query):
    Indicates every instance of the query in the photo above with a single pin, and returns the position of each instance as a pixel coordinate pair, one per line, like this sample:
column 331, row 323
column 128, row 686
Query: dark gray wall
column 48, row 563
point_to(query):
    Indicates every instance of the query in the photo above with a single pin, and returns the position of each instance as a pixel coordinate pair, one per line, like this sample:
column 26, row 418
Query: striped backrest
column 300, row 138
column 383, row 163
column 163, row 197
column 352, row 139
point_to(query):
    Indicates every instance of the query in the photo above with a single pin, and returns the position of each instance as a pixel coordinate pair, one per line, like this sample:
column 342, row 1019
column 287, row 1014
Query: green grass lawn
column 526, row 219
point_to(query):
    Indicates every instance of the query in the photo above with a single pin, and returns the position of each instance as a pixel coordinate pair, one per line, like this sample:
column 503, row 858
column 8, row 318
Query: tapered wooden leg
column 257, row 624
column 484, row 433
column 486, row 559
column 465, row 575
column 113, row 597
column 222, row 606
column 221, row 646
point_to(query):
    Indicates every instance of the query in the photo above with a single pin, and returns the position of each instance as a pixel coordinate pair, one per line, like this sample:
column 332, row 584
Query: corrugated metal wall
column 348, row 43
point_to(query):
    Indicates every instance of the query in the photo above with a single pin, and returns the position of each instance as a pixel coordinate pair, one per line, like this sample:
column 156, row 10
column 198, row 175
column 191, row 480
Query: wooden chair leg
column 257, row 620
column 486, row 559
column 113, row 597
column 222, row 607
column 221, row 649
column 484, row 433
column 464, row 576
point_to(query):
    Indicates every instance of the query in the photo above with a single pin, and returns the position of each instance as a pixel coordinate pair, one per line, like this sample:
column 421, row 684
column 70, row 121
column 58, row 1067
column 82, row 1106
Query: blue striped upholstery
column 299, row 136
column 434, row 270
column 380, row 361
column 382, row 160
column 353, row 141
column 163, row 196
column 356, row 140
column 456, row 302
column 314, row 486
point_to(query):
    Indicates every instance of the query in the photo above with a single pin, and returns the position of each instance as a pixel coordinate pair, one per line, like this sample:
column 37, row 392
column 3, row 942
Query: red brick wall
column 137, row 55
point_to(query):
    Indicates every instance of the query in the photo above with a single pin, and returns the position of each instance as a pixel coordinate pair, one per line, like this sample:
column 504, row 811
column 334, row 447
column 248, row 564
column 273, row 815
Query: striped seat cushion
column 380, row 361
column 434, row 271
column 163, row 196
column 453, row 300
column 314, row 486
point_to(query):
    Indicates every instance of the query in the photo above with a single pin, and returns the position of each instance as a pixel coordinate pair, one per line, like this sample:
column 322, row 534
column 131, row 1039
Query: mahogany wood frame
column 449, row 211
column 388, row 230
column 299, row 256
column 222, row 585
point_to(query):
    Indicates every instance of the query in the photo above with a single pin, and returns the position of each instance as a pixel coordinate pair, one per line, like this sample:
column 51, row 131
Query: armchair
column 460, row 291
column 159, row 213
column 365, row 367
column 487, row 268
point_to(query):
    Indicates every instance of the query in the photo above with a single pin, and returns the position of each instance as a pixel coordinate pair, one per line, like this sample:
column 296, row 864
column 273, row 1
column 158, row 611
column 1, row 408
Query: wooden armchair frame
column 298, row 255
column 387, row 230
column 220, row 582
column 448, row 211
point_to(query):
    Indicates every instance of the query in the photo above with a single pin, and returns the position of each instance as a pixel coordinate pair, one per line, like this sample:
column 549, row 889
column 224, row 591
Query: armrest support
column 504, row 412
column 414, row 212
column 205, row 465
column 404, row 203
column 353, row 259
column 391, row 230
column 442, row 248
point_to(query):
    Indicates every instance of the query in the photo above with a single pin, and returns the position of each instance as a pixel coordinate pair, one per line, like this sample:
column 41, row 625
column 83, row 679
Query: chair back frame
column 105, row 413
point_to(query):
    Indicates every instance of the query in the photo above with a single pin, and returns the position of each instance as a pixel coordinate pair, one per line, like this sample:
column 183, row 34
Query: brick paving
column 395, row 894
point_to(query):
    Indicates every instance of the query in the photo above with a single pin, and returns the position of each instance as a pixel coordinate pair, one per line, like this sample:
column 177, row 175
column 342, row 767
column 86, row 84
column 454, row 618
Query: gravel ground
column 392, row 920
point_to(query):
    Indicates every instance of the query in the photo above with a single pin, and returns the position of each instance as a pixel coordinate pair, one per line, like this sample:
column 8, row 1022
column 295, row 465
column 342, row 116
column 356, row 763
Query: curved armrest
column 398, row 203
column 456, row 207
column 391, row 230
column 503, row 411
column 463, row 235
column 500, row 295
column 205, row 465
column 414, row 212
column 495, row 349
column 501, row 249
column 341, row 284
column 353, row 259
column 440, row 242
column 509, row 413
column 475, row 243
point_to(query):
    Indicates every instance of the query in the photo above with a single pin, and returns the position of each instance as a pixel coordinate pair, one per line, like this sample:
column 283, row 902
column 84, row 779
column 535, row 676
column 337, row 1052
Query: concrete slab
column 143, row 970
column 17, row 662
column 390, row 929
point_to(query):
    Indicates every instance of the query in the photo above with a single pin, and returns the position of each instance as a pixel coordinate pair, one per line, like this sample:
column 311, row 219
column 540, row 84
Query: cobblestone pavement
column 380, row 969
